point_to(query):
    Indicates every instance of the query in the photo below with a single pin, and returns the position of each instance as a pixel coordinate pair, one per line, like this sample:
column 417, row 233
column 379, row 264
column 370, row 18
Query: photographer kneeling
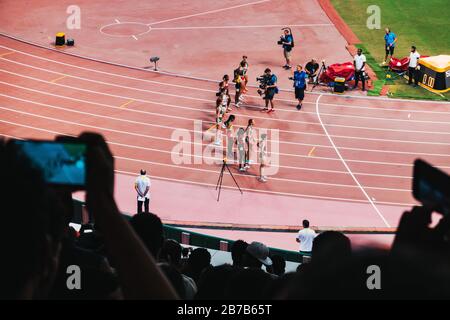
column 270, row 89
column 287, row 41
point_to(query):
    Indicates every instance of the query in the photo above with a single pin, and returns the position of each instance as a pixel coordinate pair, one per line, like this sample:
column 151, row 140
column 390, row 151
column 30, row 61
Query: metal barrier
column 186, row 237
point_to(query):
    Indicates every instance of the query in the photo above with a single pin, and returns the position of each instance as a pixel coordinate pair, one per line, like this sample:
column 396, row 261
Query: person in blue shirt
column 288, row 43
column 299, row 85
column 389, row 39
column 270, row 90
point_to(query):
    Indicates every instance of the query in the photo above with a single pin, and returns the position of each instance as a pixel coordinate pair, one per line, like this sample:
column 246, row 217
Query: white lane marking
column 211, row 111
column 176, row 75
column 117, row 21
column 255, row 117
column 347, row 167
column 246, row 27
column 206, row 184
column 167, row 139
column 197, row 169
column 134, row 37
column 213, row 91
column 184, row 118
column 208, row 12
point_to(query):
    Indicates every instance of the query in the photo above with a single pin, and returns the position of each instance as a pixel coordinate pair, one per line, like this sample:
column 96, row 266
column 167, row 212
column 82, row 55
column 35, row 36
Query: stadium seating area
column 121, row 259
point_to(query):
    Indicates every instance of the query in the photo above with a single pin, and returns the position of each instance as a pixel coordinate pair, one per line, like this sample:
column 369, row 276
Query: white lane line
column 195, row 143
column 255, row 117
column 176, row 75
column 265, row 118
column 212, row 91
column 65, row 97
column 200, row 169
column 347, row 167
column 221, row 148
column 248, row 27
column 209, row 185
column 208, row 12
column 211, row 111
column 206, row 184
column 208, row 122
column 212, row 101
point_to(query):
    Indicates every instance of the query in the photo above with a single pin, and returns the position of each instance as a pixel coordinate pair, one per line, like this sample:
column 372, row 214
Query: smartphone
column 431, row 187
column 62, row 163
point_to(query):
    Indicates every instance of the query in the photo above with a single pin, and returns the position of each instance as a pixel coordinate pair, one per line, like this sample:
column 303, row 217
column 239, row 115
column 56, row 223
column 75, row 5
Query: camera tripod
column 219, row 182
column 321, row 70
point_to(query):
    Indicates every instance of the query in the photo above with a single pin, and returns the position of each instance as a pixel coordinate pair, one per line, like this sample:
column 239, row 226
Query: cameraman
column 287, row 41
column 270, row 89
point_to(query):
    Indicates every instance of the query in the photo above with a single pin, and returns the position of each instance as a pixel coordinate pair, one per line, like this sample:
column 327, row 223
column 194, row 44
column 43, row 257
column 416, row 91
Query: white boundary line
column 231, row 187
column 211, row 111
column 214, row 91
column 204, row 145
column 175, row 75
column 175, row 106
column 212, row 102
column 202, row 169
column 182, row 118
column 167, row 139
column 208, row 12
column 249, row 26
column 347, row 167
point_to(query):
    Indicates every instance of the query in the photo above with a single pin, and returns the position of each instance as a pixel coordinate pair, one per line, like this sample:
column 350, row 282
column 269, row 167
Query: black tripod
column 219, row 182
column 321, row 70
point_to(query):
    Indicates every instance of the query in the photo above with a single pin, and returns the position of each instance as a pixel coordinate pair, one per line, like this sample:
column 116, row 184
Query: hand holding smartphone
column 61, row 163
column 431, row 187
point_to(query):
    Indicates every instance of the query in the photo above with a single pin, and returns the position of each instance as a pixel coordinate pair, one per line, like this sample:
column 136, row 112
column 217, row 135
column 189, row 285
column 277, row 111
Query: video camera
column 263, row 83
column 280, row 42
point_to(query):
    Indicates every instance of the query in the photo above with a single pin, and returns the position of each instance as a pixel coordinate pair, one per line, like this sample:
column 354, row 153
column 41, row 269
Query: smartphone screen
column 431, row 187
column 62, row 163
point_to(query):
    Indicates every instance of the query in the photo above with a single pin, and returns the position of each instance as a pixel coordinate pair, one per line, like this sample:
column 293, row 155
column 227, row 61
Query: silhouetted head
column 237, row 252
column 171, row 252
column 331, row 247
column 149, row 228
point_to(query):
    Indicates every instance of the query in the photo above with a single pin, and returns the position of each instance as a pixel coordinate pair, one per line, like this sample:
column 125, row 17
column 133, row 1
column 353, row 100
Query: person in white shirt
column 306, row 237
column 142, row 187
column 414, row 57
column 359, row 62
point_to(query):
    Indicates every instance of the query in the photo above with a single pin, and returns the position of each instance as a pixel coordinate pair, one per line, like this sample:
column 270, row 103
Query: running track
column 348, row 150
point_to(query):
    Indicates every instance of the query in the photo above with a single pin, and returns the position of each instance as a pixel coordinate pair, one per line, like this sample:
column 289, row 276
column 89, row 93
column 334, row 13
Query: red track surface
column 344, row 162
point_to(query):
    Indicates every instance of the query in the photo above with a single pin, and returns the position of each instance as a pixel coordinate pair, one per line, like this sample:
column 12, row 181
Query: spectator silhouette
column 256, row 255
column 149, row 228
column 238, row 250
column 199, row 259
column 171, row 253
column 278, row 266
column 248, row 284
column 30, row 242
column 331, row 247
column 213, row 281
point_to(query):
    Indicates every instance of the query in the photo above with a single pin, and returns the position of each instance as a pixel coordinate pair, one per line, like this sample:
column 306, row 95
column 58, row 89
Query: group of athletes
column 248, row 145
